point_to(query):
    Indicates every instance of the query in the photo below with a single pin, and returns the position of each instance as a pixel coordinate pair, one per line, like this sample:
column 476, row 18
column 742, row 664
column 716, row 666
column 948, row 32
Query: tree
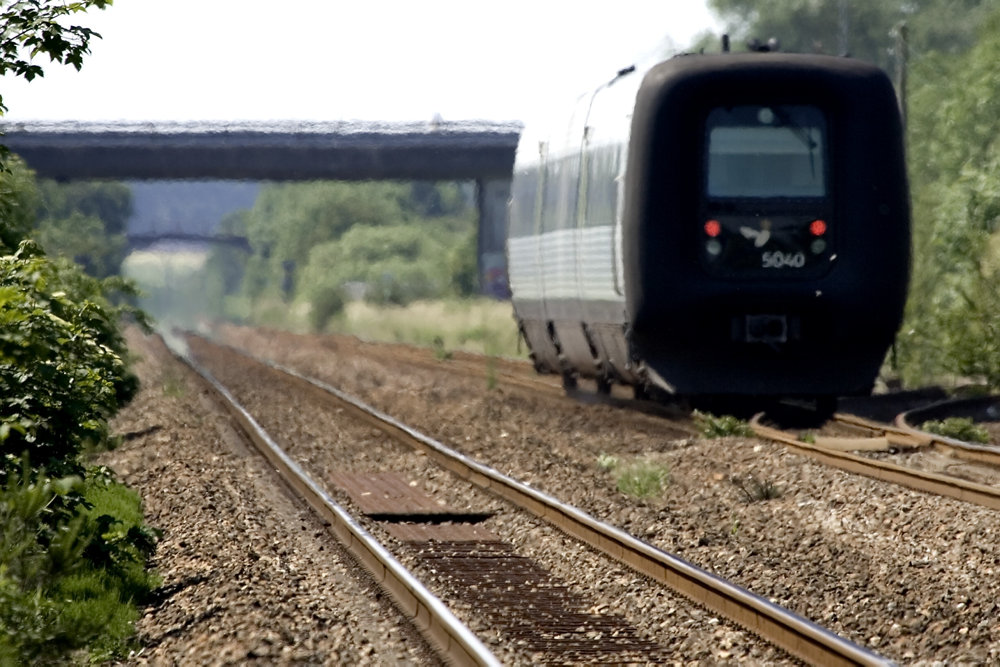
column 860, row 28
column 33, row 28
column 18, row 204
column 953, row 318
column 86, row 222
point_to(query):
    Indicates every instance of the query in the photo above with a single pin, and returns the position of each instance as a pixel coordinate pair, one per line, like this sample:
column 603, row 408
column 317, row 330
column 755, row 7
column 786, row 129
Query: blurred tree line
column 952, row 324
column 322, row 243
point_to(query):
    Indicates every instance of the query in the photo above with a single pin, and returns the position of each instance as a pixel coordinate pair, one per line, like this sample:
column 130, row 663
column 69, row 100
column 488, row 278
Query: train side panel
column 564, row 245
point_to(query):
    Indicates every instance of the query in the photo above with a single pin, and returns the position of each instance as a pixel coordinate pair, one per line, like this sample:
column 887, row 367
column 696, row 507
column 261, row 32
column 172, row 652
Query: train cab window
column 766, row 205
column 766, row 152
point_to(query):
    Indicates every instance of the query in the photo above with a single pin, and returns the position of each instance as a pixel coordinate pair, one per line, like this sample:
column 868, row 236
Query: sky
column 508, row 60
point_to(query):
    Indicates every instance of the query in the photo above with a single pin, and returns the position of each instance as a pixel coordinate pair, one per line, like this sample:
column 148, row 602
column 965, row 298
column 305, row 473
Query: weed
column 607, row 462
column 482, row 326
column 70, row 578
column 721, row 427
column 642, row 479
column 441, row 353
column 808, row 437
column 755, row 491
column 173, row 386
column 491, row 374
column 960, row 428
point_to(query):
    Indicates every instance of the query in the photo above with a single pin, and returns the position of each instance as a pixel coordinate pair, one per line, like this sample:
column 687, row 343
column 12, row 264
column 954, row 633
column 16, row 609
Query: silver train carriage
column 731, row 224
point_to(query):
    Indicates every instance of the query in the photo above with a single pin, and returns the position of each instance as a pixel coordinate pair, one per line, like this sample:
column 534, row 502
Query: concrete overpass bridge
column 288, row 151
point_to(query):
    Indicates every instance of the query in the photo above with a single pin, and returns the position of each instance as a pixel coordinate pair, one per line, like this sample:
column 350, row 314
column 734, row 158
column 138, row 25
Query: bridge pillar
column 491, row 199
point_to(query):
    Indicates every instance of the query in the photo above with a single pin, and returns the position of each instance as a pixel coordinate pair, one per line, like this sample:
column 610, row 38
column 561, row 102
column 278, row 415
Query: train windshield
column 766, row 152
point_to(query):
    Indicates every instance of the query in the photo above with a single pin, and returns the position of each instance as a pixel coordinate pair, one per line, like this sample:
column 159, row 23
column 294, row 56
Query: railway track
column 452, row 639
column 865, row 435
column 794, row 634
column 869, row 436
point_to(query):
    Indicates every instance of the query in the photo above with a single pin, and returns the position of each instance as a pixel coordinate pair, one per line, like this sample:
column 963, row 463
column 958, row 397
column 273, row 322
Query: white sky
column 352, row 59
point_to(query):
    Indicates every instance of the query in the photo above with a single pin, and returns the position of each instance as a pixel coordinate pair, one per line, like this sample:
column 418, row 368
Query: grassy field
column 485, row 326
column 176, row 293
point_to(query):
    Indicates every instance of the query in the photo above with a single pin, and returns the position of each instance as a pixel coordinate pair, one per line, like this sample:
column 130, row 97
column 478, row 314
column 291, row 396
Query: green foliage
column 327, row 302
column 39, row 27
column 754, row 490
column 18, row 203
column 317, row 246
column 642, row 479
column 960, row 428
column 607, row 462
column 228, row 263
column 953, row 316
column 62, row 374
column 483, row 326
column 463, row 266
column 70, row 572
column 860, row 28
column 398, row 263
column 721, row 427
column 441, row 353
column 492, row 379
column 86, row 222
column 73, row 548
column 289, row 220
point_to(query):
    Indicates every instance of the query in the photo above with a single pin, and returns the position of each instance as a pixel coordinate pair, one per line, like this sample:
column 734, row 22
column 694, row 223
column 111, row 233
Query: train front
column 766, row 225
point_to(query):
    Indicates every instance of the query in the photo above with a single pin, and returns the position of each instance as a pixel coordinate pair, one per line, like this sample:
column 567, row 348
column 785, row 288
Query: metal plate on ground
column 389, row 496
column 532, row 608
column 416, row 533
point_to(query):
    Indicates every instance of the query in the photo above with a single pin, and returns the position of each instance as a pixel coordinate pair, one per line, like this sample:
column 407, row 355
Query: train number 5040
column 781, row 260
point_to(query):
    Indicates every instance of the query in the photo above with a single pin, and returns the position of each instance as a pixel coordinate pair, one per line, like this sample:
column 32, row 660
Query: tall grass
column 484, row 326
column 70, row 589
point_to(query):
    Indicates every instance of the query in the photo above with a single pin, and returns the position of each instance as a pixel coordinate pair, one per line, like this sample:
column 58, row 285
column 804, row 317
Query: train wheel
column 569, row 381
column 604, row 386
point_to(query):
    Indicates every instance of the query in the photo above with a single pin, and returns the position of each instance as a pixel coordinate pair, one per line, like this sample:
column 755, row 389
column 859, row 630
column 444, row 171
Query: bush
column 721, row 427
column 73, row 548
column 960, row 428
column 69, row 578
column 327, row 302
column 62, row 372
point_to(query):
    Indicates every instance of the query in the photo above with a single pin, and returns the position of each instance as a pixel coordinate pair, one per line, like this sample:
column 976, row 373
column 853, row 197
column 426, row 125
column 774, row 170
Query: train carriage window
column 766, row 152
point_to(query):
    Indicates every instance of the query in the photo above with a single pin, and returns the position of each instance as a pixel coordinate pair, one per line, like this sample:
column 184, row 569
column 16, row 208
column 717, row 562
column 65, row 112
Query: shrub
column 960, row 428
column 62, row 372
column 327, row 302
column 642, row 479
column 70, row 573
column 73, row 548
column 720, row 427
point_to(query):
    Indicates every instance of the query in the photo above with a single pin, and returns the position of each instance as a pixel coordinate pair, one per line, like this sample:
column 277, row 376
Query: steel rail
column 453, row 640
column 960, row 449
column 928, row 482
column 795, row 634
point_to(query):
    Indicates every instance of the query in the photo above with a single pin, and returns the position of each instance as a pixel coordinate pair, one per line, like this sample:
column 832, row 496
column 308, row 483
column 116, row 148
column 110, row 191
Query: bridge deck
column 279, row 150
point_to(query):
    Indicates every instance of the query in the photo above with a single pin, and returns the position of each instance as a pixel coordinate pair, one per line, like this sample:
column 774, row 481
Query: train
column 716, row 225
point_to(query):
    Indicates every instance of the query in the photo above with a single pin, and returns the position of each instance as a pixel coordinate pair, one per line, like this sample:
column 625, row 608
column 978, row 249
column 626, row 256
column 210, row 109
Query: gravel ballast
column 249, row 576
column 910, row 575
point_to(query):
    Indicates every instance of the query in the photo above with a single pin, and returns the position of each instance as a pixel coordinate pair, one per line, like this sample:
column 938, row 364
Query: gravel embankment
column 249, row 577
column 909, row 575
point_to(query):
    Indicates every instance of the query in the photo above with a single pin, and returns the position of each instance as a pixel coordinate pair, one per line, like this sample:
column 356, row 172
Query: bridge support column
column 491, row 199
